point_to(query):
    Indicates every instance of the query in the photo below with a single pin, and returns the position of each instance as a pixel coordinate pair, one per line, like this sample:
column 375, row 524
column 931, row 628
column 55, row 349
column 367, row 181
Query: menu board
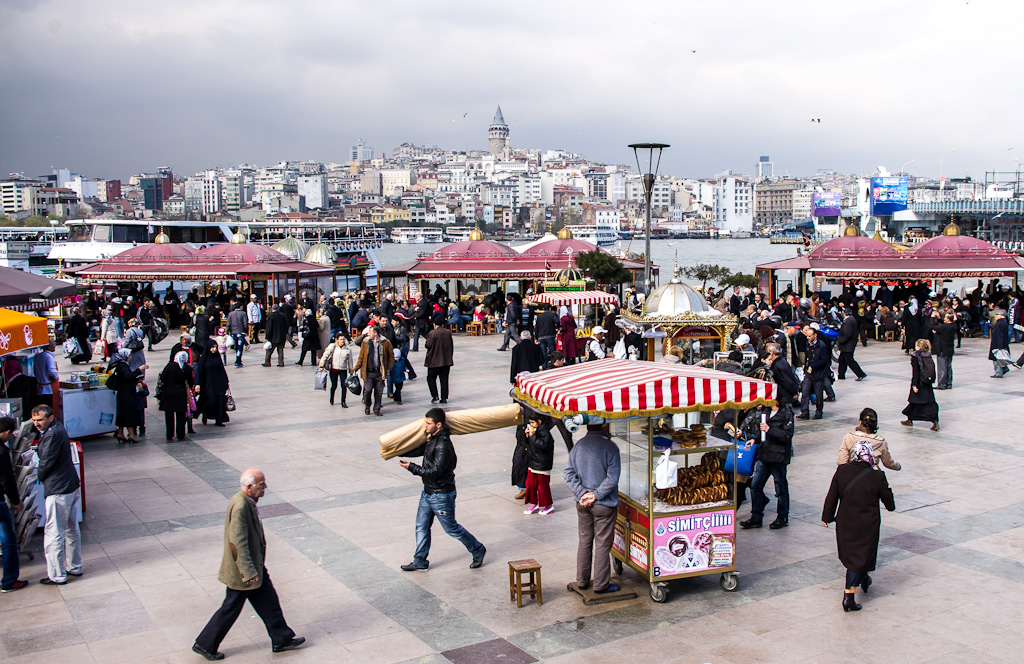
column 694, row 542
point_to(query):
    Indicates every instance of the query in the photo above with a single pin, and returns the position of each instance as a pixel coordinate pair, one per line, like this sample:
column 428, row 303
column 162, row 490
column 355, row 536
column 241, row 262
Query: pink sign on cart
column 694, row 542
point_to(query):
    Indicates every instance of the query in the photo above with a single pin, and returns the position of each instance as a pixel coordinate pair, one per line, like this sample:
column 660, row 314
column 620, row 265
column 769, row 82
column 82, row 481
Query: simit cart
column 663, row 534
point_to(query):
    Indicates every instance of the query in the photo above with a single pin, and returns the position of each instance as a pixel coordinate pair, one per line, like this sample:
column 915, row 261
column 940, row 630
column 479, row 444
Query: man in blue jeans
column 9, row 488
column 773, row 457
column 238, row 324
column 438, row 497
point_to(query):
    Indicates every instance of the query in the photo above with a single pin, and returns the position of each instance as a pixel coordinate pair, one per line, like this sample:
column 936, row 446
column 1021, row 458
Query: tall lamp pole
column 902, row 172
column 942, row 180
column 648, row 179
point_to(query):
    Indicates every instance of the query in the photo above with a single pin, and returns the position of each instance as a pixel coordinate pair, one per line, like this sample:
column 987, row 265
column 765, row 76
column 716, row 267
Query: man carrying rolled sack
column 592, row 473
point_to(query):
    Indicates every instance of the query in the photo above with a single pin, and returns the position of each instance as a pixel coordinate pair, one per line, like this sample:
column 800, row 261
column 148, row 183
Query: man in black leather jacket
column 438, row 496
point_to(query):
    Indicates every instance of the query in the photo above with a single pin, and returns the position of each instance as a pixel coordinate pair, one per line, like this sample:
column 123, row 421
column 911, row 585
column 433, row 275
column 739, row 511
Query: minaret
column 497, row 135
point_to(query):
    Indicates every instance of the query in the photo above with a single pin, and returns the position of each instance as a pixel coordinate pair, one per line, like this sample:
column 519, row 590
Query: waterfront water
column 736, row 255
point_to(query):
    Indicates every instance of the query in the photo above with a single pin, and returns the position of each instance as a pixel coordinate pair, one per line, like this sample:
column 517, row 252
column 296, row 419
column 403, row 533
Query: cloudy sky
column 110, row 88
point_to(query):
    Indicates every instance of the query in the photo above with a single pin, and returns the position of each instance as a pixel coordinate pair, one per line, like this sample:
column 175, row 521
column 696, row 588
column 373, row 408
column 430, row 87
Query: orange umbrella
column 19, row 331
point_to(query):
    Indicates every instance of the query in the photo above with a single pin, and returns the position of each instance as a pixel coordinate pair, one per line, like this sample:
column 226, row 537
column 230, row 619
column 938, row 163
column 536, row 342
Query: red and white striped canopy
column 569, row 298
column 616, row 389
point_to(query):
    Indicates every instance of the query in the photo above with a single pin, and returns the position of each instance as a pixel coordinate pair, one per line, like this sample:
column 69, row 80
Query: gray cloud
column 111, row 88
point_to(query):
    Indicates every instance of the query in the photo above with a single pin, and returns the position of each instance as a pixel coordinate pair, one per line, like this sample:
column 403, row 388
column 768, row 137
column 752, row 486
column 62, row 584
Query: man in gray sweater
column 592, row 474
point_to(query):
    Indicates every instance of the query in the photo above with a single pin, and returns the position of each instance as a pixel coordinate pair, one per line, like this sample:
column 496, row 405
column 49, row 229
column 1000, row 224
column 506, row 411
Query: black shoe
column 816, row 416
column 212, row 656
column 830, row 399
column 860, row 378
column 47, row 581
column 379, row 414
column 779, row 523
column 344, row 405
column 415, row 567
column 204, row 419
column 75, row 573
column 17, row 585
column 398, row 401
column 433, row 400
column 294, row 644
column 219, row 424
column 444, row 401
column 478, row 561
column 612, row 588
column 366, row 412
column 803, row 416
column 750, row 523
column 867, row 583
column 849, row 603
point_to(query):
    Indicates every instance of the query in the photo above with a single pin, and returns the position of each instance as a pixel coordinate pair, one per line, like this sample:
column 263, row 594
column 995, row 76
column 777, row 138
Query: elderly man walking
column 592, row 474
column 62, row 540
column 243, row 571
column 276, row 334
column 376, row 357
column 999, row 343
column 513, row 315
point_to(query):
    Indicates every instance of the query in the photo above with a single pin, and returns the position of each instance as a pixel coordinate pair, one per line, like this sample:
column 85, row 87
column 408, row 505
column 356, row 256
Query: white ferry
column 601, row 235
column 457, row 233
column 91, row 240
column 414, row 235
column 349, row 239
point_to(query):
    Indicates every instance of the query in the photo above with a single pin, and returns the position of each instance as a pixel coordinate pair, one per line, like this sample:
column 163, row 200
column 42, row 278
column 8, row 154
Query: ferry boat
column 91, row 240
column 414, row 235
column 457, row 233
column 601, row 235
column 349, row 239
column 31, row 244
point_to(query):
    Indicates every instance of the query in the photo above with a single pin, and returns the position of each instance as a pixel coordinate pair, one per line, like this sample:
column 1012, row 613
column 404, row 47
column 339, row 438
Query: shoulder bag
column 230, row 403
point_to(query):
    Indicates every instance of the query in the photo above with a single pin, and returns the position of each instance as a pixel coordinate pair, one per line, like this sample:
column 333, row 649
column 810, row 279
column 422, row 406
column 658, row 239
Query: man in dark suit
column 276, row 334
column 243, row 572
column 527, row 356
column 513, row 312
column 816, row 361
column 288, row 310
column 439, row 359
column 847, row 344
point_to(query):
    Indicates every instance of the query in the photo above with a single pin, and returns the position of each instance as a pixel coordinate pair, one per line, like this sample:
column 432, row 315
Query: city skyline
column 111, row 89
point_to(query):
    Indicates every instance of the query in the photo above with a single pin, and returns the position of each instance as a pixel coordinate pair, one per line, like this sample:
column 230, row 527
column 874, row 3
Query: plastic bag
column 665, row 476
column 72, row 348
column 320, row 380
column 354, row 385
column 620, row 349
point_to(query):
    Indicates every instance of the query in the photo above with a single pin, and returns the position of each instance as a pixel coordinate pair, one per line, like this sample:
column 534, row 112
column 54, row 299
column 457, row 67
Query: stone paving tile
column 915, row 543
column 497, row 650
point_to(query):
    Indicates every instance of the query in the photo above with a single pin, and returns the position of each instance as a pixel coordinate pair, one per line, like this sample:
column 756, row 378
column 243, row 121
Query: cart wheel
column 617, row 566
column 659, row 592
column 730, row 581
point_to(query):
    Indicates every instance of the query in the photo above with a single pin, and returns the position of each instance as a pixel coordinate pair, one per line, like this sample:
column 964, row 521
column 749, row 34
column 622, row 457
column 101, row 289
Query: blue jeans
column 8, row 546
column 547, row 347
column 985, row 327
column 239, row 347
column 758, row 500
column 441, row 505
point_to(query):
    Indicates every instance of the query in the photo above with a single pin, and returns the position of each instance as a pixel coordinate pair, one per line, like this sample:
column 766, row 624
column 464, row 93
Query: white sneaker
column 530, row 509
column 547, row 510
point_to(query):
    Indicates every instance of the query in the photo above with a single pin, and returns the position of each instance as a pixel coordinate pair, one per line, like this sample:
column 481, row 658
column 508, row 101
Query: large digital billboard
column 826, row 204
column 888, row 195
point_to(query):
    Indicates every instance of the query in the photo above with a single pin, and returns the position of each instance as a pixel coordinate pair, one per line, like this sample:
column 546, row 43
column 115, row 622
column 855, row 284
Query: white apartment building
column 802, row 203
column 528, row 190
column 213, row 200
column 194, row 195
column 734, row 205
column 266, row 178
column 394, row 181
column 174, row 206
column 232, row 185
column 661, row 194
column 17, row 197
column 314, row 189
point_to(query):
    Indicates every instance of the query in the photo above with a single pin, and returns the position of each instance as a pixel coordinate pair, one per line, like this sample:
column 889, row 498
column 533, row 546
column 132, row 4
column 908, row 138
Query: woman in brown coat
column 852, row 503
column 439, row 359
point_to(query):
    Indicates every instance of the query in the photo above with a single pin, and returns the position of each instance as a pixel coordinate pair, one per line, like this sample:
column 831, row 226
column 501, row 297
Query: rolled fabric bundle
column 459, row 422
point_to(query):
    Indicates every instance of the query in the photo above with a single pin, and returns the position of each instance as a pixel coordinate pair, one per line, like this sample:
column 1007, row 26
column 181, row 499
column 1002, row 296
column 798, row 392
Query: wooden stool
column 515, row 582
column 890, row 335
column 473, row 329
column 454, row 327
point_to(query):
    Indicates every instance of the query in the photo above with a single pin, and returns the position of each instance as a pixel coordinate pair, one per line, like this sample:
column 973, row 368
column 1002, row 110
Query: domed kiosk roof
column 156, row 252
column 856, row 246
column 560, row 247
column 246, row 253
column 473, row 249
column 677, row 299
column 321, row 254
column 292, row 248
column 953, row 245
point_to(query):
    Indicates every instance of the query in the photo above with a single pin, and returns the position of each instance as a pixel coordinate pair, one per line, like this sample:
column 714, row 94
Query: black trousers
column 337, row 376
column 174, row 421
column 815, row 386
column 266, row 604
column 846, row 360
column 433, row 374
column 373, row 387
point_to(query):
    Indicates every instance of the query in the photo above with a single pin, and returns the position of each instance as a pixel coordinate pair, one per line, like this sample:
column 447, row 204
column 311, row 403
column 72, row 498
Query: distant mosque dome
column 320, row 254
column 292, row 248
column 565, row 234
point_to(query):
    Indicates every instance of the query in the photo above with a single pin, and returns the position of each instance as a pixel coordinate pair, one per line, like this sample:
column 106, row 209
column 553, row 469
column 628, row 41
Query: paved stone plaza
column 339, row 522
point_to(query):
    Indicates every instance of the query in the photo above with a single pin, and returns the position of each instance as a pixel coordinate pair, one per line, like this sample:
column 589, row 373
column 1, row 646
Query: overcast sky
column 110, row 88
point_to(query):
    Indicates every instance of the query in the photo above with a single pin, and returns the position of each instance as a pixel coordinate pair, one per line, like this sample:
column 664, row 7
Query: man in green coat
column 242, row 571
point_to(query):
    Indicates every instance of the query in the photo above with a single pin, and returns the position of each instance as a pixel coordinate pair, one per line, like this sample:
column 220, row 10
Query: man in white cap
column 595, row 345
column 255, row 314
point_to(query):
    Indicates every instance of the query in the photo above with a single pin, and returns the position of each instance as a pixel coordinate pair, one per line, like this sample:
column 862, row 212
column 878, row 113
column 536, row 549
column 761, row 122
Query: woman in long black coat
column 911, row 322
column 125, row 379
column 852, row 503
column 173, row 389
column 520, row 459
column 310, row 338
column 78, row 329
column 921, row 404
column 212, row 379
column 203, row 327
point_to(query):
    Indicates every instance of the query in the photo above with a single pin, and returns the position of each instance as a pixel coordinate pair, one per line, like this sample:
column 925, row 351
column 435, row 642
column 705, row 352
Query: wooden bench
column 516, row 568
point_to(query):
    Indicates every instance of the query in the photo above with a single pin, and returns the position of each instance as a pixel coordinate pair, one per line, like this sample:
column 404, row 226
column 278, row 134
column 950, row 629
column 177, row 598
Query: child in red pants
column 540, row 457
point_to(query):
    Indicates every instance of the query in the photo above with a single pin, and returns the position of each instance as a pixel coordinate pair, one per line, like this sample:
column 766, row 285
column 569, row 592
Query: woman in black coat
column 173, row 389
column 125, row 379
column 519, row 460
column 203, row 327
column 310, row 338
column 852, row 503
column 540, row 457
column 212, row 379
column 78, row 329
column 921, row 401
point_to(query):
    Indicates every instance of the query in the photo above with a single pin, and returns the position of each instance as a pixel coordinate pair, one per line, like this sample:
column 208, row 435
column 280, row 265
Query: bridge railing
column 971, row 207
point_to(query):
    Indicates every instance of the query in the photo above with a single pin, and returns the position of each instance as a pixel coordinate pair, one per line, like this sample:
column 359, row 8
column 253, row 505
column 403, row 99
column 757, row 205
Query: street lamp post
column 942, row 180
column 902, row 171
column 648, row 181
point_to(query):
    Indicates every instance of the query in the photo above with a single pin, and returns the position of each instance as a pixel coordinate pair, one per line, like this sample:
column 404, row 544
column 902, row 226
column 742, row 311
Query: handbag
column 354, row 385
column 741, row 460
column 71, row 347
column 320, row 380
column 229, row 404
column 665, row 476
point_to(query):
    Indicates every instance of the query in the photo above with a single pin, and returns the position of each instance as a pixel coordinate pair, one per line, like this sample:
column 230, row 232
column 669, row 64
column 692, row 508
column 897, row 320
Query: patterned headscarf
column 863, row 452
column 121, row 355
column 181, row 358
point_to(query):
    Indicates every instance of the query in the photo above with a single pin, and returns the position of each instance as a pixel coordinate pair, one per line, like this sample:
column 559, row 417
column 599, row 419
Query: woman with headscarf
column 109, row 331
column 568, row 335
column 911, row 322
column 204, row 330
column 852, row 503
column 78, row 329
column 173, row 389
column 135, row 342
column 921, row 404
column 125, row 379
column 212, row 381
